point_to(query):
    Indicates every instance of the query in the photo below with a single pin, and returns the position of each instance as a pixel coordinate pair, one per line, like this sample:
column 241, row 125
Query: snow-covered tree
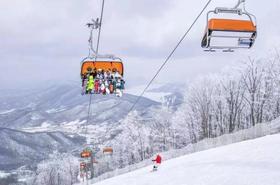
column 239, row 98
column 59, row 169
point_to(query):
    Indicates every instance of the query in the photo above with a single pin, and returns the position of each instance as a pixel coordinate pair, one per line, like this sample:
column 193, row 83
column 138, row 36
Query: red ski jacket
column 158, row 159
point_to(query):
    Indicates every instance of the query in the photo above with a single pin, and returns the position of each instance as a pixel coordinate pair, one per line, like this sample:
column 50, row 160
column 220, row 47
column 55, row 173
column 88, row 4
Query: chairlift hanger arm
column 239, row 3
column 95, row 24
column 235, row 9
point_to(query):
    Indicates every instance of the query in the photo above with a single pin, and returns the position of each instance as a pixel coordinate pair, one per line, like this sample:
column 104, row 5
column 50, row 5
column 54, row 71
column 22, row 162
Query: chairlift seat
column 236, row 33
column 85, row 154
column 228, row 34
column 101, row 63
column 108, row 150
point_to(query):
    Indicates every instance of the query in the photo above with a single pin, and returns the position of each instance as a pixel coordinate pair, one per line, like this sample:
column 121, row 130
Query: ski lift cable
column 165, row 62
column 170, row 55
column 95, row 58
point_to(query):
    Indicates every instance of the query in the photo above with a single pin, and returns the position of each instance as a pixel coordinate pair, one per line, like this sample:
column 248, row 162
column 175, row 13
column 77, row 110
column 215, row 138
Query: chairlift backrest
column 85, row 154
column 238, row 32
column 108, row 150
column 103, row 64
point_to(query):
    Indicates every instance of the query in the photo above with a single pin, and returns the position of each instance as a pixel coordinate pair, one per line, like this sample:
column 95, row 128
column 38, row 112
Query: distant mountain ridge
column 19, row 148
column 64, row 103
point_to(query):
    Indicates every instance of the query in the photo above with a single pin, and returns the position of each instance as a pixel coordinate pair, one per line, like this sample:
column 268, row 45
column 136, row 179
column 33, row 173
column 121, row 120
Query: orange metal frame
column 85, row 154
column 231, row 25
column 105, row 65
column 107, row 150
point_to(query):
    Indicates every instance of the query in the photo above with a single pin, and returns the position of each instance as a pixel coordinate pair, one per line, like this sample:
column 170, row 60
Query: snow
column 249, row 162
column 50, row 127
column 66, row 127
column 7, row 111
column 4, row 174
column 45, row 124
column 50, row 111
column 36, row 116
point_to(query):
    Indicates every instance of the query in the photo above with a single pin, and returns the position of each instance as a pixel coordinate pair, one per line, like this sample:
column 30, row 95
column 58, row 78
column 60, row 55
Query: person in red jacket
column 157, row 162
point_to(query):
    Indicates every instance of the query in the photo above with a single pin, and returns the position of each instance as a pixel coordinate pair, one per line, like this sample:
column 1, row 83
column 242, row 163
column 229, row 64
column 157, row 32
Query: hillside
column 57, row 104
column 27, row 149
column 250, row 162
column 52, row 118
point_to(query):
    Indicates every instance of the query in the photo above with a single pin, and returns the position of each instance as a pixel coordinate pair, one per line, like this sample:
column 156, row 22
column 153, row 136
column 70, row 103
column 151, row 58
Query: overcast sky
column 45, row 40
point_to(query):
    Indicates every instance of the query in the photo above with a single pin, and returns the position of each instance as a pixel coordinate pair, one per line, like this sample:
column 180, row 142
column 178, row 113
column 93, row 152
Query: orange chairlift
column 86, row 153
column 108, row 150
column 228, row 34
column 96, row 62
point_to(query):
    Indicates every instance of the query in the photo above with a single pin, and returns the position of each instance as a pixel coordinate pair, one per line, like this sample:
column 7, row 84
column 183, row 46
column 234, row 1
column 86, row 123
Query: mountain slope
column 20, row 148
column 29, row 120
column 57, row 104
column 250, row 162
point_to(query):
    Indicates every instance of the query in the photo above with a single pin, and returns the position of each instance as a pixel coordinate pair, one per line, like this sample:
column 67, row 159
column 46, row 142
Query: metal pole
column 91, row 166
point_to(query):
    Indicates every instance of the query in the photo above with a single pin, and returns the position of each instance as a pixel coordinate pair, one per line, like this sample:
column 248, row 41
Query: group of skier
column 98, row 81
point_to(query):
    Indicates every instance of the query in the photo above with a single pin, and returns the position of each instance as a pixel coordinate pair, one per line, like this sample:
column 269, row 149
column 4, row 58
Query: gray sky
column 44, row 40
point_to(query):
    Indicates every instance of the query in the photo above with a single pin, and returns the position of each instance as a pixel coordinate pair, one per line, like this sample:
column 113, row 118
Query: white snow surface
column 55, row 110
column 7, row 111
column 249, row 162
column 69, row 127
column 4, row 174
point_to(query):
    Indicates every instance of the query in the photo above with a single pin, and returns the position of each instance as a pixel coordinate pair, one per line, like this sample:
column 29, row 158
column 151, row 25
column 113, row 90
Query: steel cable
column 169, row 56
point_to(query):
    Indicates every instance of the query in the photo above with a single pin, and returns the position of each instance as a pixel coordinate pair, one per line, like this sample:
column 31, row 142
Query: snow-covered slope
column 250, row 162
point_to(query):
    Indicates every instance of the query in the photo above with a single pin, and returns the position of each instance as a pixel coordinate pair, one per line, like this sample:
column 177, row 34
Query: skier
column 90, row 84
column 111, row 87
column 102, row 87
column 96, row 86
column 84, row 82
column 157, row 162
column 122, row 84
